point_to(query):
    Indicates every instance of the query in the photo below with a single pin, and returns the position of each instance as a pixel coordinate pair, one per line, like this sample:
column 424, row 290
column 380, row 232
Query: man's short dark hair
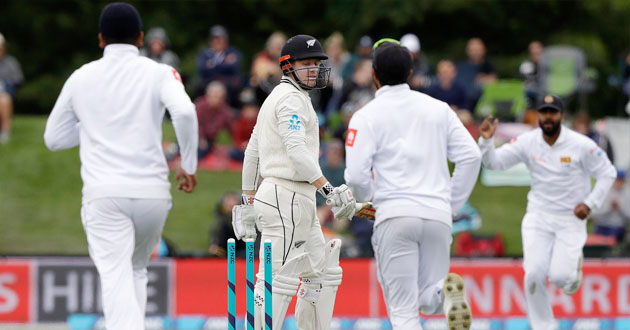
column 120, row 22
column 392, row 64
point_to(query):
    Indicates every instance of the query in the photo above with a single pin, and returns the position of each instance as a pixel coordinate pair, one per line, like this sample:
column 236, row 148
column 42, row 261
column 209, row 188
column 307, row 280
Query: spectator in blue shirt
column 220, row 62
column 475, row 71
column 446, row 88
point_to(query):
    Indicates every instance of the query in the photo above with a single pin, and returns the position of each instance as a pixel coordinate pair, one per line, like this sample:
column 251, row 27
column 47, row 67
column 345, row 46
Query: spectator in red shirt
column 214, row 114
column 242, row 129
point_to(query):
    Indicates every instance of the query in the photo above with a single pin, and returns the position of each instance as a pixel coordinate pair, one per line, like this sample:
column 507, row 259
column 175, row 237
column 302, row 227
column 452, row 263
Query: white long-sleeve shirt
column 284, row 146
column 405, row 138
column 113, row 109
column 561, row 173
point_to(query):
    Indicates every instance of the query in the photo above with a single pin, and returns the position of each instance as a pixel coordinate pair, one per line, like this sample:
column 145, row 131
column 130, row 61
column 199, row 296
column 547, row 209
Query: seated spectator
column 448, row 89
column 529, row 72
column 421, row 70
column 612, row 218
column 10, row 78
column 221, row 228
column 361, row 230
column 581, row 124
column 363, row 50
column 333, row 166
column 338, row 58
column 214, row 114
column 265, row 72
column 243, row 127
column 157, row 48
column 475, row 71
column 220, row 62
column 358, row 90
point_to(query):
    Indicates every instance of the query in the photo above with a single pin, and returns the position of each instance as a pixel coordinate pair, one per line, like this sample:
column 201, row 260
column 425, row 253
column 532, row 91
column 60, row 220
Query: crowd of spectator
column 231, row 100
column 228, row 99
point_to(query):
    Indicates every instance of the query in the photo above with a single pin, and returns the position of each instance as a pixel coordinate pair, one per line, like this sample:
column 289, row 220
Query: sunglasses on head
column 385, row 40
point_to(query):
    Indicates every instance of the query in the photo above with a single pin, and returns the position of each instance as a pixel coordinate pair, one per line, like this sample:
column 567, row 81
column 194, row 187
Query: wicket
column 231, row 286
column 249, row 246
column 268, row 305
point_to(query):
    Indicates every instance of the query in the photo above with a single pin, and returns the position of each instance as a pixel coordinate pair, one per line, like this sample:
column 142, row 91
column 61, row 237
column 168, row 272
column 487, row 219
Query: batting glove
column 244, row 219
column 343, row 203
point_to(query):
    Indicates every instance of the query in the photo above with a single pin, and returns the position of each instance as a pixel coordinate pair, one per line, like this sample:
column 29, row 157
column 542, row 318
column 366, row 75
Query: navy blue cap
column 120, row 20
column 552, row 102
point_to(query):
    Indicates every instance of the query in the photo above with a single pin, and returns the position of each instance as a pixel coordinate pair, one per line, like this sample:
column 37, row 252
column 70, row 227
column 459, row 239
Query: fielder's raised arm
column 561, row 163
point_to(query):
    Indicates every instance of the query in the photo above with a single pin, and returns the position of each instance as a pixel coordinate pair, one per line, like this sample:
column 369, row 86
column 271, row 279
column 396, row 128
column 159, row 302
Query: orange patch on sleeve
column 177, row 76
column 350, row 136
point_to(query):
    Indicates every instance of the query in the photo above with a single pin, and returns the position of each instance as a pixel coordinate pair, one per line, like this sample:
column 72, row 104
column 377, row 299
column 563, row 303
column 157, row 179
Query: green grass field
column 40, row 199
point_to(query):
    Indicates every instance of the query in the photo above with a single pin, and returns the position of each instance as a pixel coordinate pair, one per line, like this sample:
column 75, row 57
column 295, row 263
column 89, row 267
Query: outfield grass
column 40, row 198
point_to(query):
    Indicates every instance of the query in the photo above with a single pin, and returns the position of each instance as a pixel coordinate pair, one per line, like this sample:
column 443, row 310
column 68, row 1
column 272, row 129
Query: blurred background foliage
column 53, row 38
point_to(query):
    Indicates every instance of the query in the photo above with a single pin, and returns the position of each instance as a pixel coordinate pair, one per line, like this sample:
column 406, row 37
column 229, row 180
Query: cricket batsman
column 284, row 150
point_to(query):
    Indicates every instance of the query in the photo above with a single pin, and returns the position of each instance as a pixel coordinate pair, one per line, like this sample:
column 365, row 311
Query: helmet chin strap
column 298, row 81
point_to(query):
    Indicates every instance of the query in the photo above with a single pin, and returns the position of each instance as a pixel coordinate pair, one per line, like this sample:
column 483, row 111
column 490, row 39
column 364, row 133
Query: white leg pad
column 316, row 297
column 284, row 286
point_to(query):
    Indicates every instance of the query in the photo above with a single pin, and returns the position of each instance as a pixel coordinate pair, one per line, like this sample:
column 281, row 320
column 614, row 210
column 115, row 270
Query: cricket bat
column 363, row 210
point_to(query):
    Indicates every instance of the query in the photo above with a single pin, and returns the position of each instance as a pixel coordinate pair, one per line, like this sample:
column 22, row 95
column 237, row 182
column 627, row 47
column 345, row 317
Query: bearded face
column 549, row 126
column 549, row 121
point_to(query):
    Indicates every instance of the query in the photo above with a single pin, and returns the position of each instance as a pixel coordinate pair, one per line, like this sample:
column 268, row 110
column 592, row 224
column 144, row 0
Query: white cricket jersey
column 405, row 138
column 113, row 108
column 284, row 146
column 561, row 173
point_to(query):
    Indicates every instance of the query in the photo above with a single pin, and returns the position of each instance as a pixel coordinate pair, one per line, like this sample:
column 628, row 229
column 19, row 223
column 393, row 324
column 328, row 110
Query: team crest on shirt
column 565, row 161
column 294, row 123
column 352, row 134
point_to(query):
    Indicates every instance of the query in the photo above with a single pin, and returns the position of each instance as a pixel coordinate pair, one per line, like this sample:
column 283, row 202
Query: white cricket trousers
column 413, row 258
column 289, row 220
column 121, row 234
column 552, row 245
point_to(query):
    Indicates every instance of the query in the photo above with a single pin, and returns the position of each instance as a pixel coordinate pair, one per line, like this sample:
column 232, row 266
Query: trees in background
column 53, row 38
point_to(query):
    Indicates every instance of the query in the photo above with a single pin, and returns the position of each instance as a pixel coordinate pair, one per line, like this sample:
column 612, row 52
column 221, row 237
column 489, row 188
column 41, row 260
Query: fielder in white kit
column 397, row 149
column 284, row 150
column 561, row 163
column 113, row 109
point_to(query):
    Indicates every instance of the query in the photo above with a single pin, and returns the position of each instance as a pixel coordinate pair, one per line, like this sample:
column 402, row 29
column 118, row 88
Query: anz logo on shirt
column 294, row 123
